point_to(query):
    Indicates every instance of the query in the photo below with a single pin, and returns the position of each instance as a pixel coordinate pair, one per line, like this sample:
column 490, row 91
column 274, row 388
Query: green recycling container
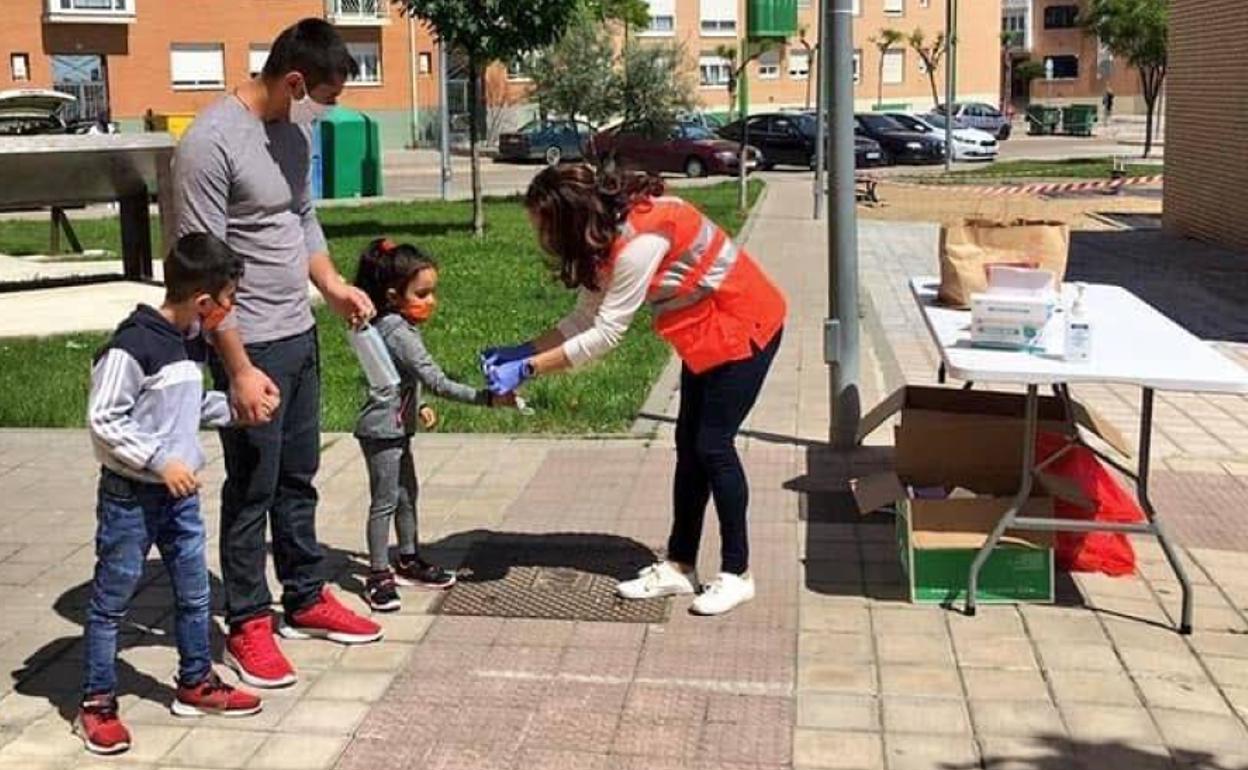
column 1078, row 119
column 350, row 155
column 1042, row 119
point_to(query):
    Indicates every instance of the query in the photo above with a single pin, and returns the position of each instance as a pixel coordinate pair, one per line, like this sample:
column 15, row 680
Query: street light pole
column 951, row 61
column 821, row 111
column 841, row 326
column 444, row 142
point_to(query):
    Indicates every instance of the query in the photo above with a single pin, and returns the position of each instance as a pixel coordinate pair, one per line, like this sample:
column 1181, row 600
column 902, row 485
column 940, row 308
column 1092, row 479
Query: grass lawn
column 494, row 291
column 1031, row 170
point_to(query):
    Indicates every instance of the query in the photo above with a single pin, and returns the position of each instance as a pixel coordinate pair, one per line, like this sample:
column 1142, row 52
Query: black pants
column 269, row 471
column 712, row 407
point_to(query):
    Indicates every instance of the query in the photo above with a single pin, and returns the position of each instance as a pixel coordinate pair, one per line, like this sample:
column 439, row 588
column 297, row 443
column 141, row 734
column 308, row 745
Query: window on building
column 368, row 57
column 857, row 65
column 424, row 63
column 894, row 67
column 94, row 5
column 799, row 64
column 1061, row 67
column 197, row 65
column 713, row 71
column 257, row 55
column 769, row 64
column 19, row 67
column 1014, row 23
column 894, row 7
column 662, row 18
column 719, row 18
column 521, row 68
column 1061, row 17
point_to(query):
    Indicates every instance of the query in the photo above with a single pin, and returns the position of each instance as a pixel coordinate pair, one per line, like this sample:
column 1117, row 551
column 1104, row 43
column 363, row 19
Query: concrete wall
column 1206, row 166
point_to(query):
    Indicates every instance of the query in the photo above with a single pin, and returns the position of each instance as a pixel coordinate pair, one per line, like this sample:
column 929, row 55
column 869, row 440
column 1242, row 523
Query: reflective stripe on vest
column 667, row 293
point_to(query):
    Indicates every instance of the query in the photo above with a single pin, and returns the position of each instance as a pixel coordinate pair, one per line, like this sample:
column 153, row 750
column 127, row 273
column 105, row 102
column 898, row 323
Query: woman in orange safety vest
column 622, row 243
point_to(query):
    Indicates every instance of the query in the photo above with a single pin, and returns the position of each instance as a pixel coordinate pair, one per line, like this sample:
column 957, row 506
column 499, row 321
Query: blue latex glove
column 506, row 354
column 507, row 377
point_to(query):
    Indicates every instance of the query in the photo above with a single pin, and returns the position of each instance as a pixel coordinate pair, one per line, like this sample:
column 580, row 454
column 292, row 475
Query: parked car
column 551, row 141
column 968, row 143
column 900, row 144
column 789, row 139
column 681, row 148
column 979, row 115
column 26, row 111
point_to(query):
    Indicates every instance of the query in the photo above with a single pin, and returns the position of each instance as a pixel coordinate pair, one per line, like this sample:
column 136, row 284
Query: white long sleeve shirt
column 598, row 322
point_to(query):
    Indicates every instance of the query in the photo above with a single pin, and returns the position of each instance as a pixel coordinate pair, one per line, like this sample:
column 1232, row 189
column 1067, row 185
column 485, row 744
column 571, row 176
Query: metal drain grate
column 554, row 577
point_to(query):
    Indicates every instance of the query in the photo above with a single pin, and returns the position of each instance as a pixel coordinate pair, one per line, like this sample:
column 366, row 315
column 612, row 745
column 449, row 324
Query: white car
column 968, row 143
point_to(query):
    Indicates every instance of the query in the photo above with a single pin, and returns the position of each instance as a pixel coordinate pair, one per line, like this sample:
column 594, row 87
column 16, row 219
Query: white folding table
column 1132, row 344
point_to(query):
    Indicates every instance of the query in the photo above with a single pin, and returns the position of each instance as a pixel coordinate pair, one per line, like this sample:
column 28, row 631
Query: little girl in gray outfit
column 402, row 282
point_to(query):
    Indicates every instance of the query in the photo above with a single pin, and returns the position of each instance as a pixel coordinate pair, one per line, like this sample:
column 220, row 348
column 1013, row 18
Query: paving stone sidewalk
column 828, row 668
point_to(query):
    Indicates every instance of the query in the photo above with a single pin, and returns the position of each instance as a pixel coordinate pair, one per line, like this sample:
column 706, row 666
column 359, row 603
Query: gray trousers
column 394, row 490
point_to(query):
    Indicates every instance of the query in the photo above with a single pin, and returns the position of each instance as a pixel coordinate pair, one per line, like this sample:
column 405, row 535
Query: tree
column 735, row 72
column 576, row 76
column 488, row 31
column 653, row 85
column 1010, row 39
column 930, row 55
column 884, row 42
column 811, row 59
column 1135, row 30
column 633, row 13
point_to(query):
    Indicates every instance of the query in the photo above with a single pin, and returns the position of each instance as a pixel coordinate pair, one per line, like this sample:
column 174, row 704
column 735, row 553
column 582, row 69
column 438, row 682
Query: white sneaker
column 724, row 594
column 659, row 579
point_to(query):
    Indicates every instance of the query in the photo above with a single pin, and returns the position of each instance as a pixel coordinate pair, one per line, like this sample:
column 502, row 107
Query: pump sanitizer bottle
column 1078, row 329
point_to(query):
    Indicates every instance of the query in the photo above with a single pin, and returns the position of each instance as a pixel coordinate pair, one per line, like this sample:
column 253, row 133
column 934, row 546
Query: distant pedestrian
column 1107, row 101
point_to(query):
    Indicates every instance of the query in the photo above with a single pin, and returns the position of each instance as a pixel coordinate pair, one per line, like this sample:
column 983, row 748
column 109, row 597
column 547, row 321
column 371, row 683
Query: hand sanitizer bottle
column 1078, row 329
column 374, row 358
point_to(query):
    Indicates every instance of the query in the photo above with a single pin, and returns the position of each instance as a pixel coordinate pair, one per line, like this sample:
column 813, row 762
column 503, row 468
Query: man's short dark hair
column 197, row 263
column 313, row 48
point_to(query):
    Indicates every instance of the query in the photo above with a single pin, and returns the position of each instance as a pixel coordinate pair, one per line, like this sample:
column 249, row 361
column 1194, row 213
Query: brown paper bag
column 967, row 249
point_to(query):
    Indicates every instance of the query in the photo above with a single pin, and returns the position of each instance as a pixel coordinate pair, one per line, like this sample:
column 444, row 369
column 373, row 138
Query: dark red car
column 681, row 148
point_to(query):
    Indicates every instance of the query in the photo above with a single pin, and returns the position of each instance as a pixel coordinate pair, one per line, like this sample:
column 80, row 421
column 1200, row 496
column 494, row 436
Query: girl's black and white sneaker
column 415, row 571
column 382, row 592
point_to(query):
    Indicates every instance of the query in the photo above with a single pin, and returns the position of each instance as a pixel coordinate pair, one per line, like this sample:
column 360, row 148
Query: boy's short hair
column 313, row 48
column 200, row 262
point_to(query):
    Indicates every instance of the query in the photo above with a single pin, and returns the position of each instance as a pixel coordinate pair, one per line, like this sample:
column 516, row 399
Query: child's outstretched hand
column 428, row 417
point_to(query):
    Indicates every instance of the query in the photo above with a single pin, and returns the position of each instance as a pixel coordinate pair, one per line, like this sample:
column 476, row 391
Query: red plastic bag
column 1107, row 552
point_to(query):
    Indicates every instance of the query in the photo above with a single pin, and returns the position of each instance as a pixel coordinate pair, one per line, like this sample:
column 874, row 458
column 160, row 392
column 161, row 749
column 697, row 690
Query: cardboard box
column 970, row 440
column 1011, row 321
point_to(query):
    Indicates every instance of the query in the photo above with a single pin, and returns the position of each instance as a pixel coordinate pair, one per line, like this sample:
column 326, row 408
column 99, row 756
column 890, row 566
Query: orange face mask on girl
column 418, row 310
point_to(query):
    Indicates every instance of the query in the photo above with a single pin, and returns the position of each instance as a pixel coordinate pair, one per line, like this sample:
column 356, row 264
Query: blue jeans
column 132, row 516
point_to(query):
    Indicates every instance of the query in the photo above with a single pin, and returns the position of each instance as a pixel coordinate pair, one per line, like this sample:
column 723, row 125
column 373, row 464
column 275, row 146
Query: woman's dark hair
column 200, row 262
column 313, row 48
column 385, row 266
column 579, row 210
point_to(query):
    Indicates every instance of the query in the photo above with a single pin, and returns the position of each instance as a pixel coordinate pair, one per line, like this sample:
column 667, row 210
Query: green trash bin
column 1042, row 119
column 1078, row 119
column 350, row 155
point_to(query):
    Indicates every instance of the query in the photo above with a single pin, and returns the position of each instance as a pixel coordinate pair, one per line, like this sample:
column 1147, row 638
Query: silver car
column 979, row 115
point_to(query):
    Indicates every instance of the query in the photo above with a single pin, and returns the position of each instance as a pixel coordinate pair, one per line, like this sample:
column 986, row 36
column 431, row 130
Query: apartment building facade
column 123, row 58
column 783, row 76
column 1206, row 171
column 1077, row 69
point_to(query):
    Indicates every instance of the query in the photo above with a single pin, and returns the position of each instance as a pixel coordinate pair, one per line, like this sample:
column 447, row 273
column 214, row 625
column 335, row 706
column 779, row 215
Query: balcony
column 358, row 13
column 90, row 11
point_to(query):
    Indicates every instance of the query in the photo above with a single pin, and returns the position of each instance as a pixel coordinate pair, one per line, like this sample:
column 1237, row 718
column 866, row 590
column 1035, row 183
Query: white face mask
column 306, row 111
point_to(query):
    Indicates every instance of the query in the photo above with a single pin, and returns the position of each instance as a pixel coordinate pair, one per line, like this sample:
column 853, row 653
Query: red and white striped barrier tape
column 1040, row 188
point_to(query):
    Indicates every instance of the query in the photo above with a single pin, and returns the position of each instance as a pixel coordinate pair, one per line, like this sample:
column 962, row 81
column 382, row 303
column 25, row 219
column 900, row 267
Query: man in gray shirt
column 242, row 173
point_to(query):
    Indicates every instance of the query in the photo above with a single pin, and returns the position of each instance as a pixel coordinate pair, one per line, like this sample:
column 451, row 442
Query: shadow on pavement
column 1199, row 286
column 1058, row 752
column 54, row 671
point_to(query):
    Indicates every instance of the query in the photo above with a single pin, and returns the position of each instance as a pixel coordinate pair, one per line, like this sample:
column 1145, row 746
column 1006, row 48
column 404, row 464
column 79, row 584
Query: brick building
column 1206, row 167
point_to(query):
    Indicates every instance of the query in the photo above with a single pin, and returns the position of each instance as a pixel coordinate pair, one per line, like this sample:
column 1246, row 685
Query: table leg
column 1146, row 436
column 136, row 237
column 1030, row 427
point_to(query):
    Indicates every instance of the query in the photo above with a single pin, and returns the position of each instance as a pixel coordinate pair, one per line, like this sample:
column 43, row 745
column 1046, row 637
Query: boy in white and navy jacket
column 146, row 406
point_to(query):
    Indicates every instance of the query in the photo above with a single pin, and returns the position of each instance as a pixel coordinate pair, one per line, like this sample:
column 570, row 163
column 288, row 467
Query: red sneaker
column 99, row 726
column 212, row 696
column 252, row 651
column 329, row 619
